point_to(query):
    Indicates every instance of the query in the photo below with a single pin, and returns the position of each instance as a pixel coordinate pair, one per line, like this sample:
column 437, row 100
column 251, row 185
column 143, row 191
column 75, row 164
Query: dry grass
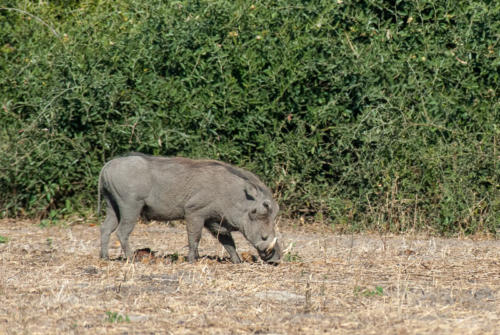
column 52, row 281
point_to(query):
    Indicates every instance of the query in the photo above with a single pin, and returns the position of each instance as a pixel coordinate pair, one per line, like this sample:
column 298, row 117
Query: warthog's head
column 259, row 228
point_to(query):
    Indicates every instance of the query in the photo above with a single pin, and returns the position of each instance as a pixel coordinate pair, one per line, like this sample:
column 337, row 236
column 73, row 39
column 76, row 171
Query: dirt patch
column 52, row 281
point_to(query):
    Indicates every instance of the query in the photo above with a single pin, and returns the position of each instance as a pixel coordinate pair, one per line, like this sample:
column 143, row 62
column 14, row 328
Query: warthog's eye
column 253, row 214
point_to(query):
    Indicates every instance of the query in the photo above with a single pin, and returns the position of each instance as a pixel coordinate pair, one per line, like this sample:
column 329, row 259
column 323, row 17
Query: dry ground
column 52, row 281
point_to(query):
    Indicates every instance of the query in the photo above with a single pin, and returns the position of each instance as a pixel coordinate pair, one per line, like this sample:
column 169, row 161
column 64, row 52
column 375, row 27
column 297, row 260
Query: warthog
column 206, row 193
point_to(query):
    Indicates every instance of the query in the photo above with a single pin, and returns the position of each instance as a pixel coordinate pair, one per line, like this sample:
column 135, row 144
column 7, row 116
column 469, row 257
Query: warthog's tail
column 99, row 185
column 100, row 190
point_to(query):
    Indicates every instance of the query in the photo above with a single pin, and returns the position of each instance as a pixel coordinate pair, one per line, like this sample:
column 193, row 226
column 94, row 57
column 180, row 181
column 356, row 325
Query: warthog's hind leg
column 107, row 227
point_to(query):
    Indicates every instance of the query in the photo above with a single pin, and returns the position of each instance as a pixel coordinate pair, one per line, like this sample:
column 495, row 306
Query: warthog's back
column 169, row 185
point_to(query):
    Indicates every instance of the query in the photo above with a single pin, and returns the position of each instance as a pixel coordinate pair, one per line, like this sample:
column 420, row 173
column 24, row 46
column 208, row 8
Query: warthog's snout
column 270, row 253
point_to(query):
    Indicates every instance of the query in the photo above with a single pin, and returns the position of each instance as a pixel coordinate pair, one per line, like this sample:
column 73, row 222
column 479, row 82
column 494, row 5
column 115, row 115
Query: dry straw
column 52, row 281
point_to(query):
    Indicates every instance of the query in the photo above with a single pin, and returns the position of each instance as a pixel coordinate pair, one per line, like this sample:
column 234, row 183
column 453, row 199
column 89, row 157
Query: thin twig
column 352, row 46
column 32, row 16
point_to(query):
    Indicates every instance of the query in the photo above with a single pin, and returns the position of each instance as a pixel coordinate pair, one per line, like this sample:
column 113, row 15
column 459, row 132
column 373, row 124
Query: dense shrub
column 362, row 114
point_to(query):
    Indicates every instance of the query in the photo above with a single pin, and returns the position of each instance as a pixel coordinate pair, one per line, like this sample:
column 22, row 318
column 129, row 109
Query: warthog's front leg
column 227, row 241
column 128, row 219
column 194, row 226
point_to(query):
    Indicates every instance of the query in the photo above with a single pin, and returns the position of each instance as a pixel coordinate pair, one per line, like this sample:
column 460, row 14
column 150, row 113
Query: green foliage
column 173, row 257
column 367, row 114
column 3, row 239
column 289, row 255
column 115, row 317
column 50, row 220
column 292, row 257
column 377, row 291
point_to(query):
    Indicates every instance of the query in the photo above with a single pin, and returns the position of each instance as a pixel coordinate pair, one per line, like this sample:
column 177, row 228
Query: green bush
column 361, row 114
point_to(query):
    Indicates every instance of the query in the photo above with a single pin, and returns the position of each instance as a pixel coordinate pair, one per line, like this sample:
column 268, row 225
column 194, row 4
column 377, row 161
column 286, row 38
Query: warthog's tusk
column 271, row 245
